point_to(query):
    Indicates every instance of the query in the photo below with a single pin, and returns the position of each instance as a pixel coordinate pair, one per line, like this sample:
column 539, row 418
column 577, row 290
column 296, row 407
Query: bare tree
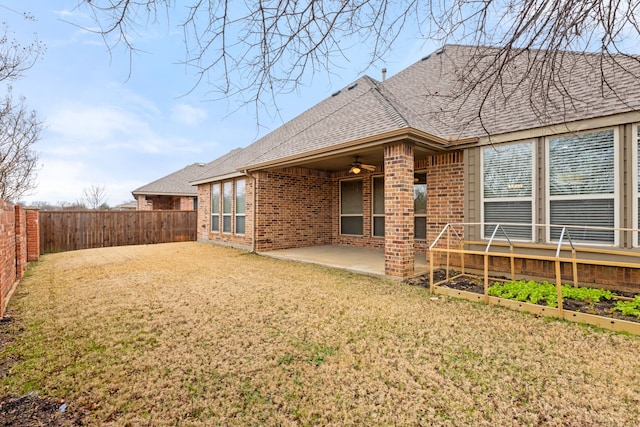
column 258, row 49
column 19, row 128
column 19, row 131
column 94, row 196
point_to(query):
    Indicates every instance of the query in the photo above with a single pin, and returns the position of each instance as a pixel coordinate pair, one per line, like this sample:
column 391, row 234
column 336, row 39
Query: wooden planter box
column 541, row 310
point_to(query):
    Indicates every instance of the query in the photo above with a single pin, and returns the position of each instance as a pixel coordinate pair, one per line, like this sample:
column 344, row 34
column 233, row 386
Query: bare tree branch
column 94, row 196
column 257, row 49
column 19, row 131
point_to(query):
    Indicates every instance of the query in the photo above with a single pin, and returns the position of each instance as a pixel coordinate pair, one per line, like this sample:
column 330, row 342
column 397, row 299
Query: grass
column 197, row 334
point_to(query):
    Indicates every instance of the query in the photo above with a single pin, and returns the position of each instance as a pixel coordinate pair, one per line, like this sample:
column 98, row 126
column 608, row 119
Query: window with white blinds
column 226, row 207
column 582, row 185
column 215, row 207
column 507, row 189
column 636, row 141
column 241, row 196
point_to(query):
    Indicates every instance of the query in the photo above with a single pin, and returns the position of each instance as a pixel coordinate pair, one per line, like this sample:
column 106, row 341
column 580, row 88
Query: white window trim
column 424, row 215
column 235, row 207
column 375, row 215
column 532, row 198
column 616, row 188
column 216, row 184
column 231, row 208
column 634, row 180
column 341, row 215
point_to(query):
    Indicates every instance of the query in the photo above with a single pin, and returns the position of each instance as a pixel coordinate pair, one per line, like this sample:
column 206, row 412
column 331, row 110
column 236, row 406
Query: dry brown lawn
column 198, row 334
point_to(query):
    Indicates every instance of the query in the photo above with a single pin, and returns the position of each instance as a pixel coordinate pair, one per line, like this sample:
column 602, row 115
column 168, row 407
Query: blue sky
column 104, row 127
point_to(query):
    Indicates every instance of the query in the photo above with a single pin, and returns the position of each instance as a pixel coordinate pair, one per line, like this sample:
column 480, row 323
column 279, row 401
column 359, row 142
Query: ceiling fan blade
column 370, row 168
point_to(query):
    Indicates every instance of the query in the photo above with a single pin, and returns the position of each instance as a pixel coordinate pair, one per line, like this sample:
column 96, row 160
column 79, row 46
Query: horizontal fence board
column 72, row 230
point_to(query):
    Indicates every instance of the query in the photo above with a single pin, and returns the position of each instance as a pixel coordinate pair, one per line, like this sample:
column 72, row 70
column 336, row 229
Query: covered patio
column 350, row 258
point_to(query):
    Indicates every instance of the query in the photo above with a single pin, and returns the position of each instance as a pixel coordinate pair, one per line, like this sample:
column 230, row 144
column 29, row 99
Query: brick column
column 143, row 205
column 33, row 235
column 398, row 207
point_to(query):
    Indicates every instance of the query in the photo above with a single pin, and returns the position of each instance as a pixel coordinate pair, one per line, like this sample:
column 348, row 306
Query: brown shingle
column 429, row 96
column 572, row 88
column 174, row 184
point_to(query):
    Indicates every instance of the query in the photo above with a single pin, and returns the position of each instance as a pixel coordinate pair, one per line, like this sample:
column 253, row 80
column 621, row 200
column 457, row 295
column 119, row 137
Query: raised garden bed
column 607, row 309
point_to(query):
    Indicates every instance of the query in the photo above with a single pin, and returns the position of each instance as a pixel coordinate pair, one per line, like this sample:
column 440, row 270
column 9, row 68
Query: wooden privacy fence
column 72, row 230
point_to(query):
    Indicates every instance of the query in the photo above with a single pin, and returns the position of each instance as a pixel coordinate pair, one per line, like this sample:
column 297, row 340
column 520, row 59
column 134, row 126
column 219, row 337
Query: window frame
column 635, row 128
column 616, row 187
column 341, row 215
column 426, row 206
column 235, row 207
column 215, row 214
column 532, row 198
column 373, row 204
column 230, row 213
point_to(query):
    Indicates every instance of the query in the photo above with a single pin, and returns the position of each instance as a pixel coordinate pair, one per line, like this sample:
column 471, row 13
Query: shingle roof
column 357, row 111
column 427, row 96
column 224, row 165
column 174, row 184
column 572, row 89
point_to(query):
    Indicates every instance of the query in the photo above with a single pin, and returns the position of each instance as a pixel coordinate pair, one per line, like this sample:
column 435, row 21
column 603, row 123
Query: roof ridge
column 369, row 80
column 390, row 106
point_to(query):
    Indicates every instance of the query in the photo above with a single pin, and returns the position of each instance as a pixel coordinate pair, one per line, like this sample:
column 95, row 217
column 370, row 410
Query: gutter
column 432, row 142
column 217, row 178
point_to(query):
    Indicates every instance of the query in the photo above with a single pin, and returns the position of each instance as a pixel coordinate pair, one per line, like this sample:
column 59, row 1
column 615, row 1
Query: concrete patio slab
column 358, row 260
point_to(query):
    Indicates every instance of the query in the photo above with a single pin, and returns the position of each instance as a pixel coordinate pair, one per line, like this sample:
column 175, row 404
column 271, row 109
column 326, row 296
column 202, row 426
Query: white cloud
column 78, row 128
column 188, row 115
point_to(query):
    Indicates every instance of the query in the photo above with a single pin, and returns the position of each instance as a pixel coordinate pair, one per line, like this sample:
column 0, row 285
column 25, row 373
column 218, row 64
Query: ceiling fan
column 357, row 167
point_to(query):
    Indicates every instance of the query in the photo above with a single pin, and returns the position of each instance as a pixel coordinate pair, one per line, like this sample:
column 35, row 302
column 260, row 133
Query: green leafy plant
column 545, row 292
column 526, row 291
column 629, row 308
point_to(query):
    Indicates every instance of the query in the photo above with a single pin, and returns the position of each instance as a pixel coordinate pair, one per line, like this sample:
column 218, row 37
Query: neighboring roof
column 175, row 184
column 126, row 206
column 427, row 97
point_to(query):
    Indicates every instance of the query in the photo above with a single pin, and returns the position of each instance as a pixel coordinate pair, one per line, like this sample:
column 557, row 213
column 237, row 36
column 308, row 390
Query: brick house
column 171, row 192
column 310, row 182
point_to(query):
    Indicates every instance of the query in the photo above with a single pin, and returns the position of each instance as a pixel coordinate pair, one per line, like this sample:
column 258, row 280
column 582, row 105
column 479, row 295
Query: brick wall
column 204, row 212
column 7, row 252
column 21, row 240
column 625, row 279
column 185, row 203
column 16, row 234
column 445, row 192
column 165, row 203
column 143, row 204
column 294, row 208
column 33, row 235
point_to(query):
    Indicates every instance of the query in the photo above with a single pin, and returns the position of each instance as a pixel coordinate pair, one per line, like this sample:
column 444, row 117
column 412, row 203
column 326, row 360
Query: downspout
column 253, row 212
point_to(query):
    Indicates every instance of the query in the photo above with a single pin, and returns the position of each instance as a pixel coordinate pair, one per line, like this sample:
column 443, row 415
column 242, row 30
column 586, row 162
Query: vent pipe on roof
column 384, row 74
